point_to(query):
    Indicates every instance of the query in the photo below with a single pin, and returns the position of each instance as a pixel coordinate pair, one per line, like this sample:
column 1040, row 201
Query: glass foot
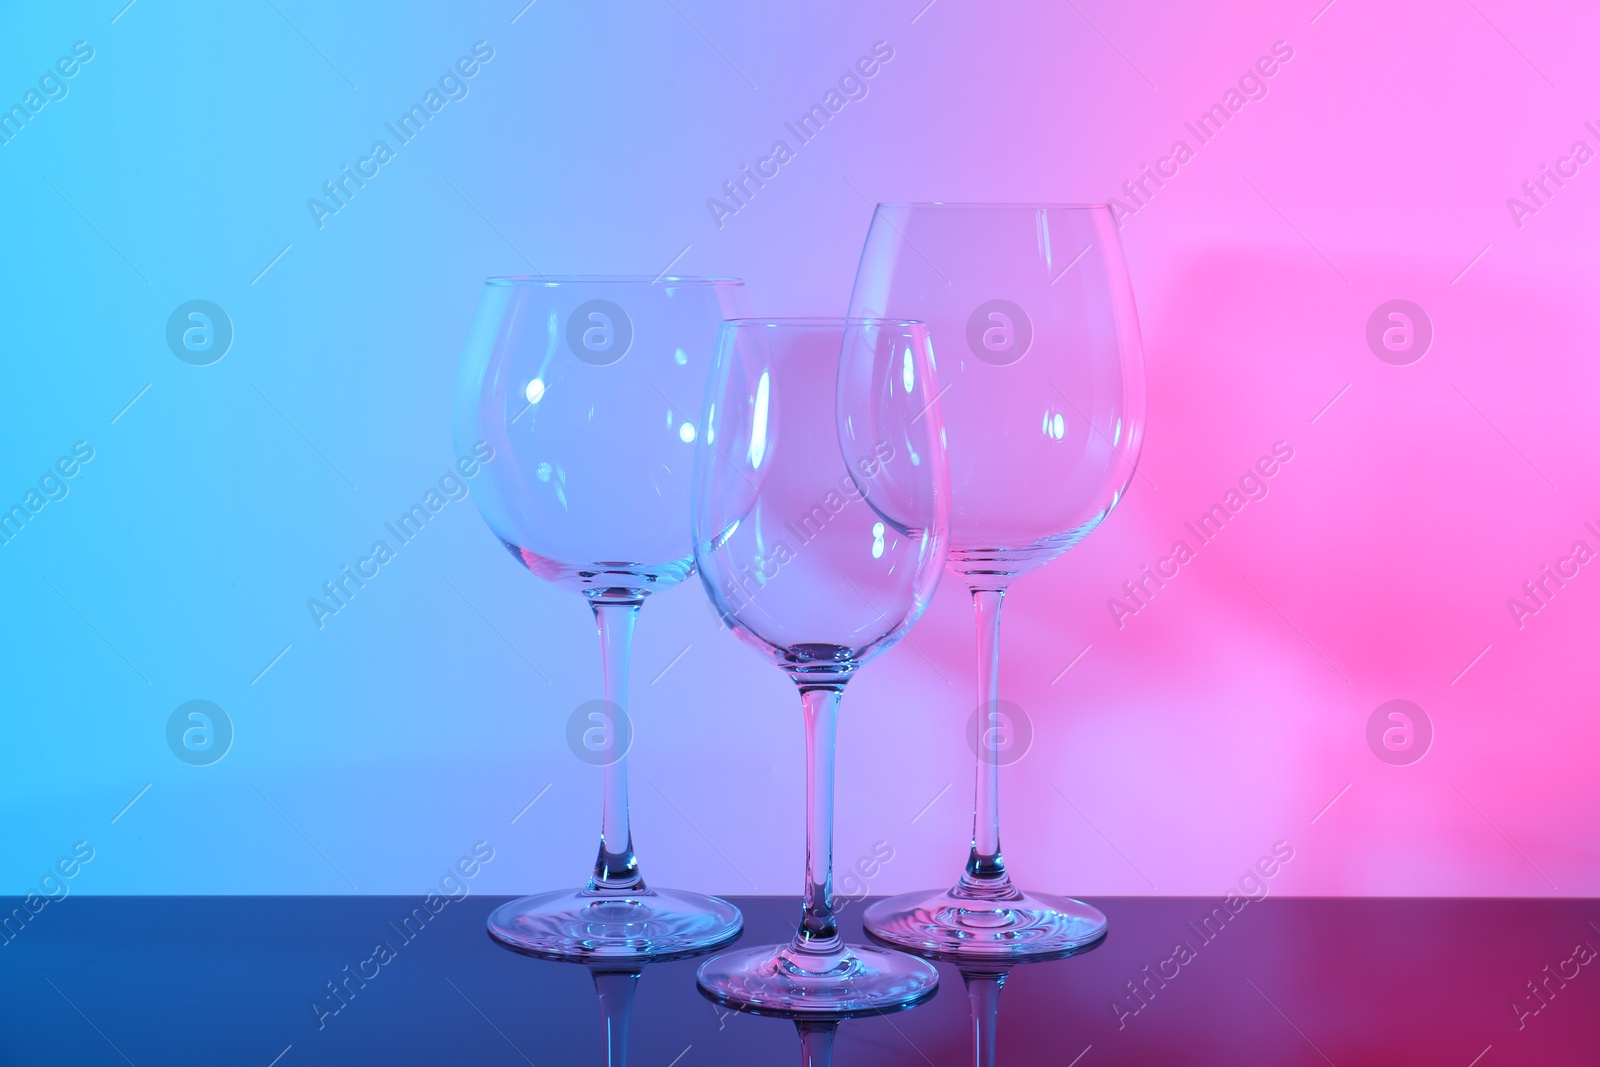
column 588, row 926
column 1016, row 927
column 783, row 980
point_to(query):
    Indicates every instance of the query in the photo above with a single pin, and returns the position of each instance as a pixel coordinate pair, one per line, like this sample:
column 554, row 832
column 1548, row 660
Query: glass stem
column 616, row 868
column 983, row 997
column 615, row 990
column 816, row 1042
column 986, row 867
column 819, row 930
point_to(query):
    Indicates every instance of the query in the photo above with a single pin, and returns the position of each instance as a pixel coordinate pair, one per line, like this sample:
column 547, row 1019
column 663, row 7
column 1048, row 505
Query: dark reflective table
column 289, row 981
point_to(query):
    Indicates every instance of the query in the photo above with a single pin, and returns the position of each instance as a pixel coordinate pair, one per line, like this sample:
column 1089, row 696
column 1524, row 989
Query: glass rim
column 822, row 321
column 1016, row 205
column 608, row 279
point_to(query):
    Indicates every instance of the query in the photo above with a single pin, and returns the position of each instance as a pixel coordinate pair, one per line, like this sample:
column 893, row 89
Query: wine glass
column 586, row 390
column 1032, row 313
column 819, row 530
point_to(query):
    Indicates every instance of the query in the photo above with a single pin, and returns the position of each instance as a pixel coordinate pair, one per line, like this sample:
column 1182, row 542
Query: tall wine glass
column 587, row 390
column 819, row 530
column 1032, row 314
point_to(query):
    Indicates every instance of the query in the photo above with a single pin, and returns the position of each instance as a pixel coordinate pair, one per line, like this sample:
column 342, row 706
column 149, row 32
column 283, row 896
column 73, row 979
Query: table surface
column 1285, row 982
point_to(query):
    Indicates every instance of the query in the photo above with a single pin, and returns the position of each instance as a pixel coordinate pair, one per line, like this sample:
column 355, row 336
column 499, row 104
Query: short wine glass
column 819, row 531
column 587, row 392
column 1031, row 311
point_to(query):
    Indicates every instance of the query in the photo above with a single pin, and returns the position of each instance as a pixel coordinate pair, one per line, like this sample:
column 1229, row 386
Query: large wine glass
column 587, row 391
column 1031, row 311
column 819, row 530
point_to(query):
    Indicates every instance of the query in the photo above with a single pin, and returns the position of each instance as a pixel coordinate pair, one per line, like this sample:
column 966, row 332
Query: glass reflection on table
column 818, row 1030
column 984, row 979
column 616, row 984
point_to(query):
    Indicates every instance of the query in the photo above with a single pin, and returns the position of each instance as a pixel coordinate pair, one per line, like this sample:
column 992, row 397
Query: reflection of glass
column 615, row 984
column 819, row 521
column 984, row 978
column 1031, row 310
column 615, row 990
column 817, row 1029
column 584, row 391
column 984, row 982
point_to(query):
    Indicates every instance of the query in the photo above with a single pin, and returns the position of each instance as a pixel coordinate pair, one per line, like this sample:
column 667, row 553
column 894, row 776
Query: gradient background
column 426, row 716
